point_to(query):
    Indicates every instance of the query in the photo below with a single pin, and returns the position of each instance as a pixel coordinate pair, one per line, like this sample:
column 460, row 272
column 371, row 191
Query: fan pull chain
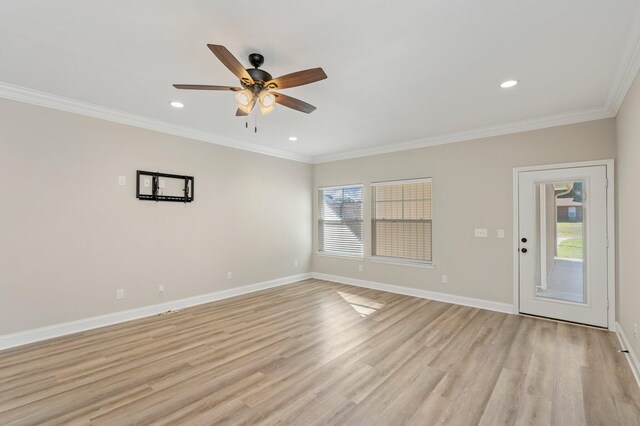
column 255, row 123
column 246, row 121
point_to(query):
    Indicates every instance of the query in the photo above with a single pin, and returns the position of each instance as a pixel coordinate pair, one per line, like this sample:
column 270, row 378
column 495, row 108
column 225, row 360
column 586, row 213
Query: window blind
column 401, row 224
column 340, row 220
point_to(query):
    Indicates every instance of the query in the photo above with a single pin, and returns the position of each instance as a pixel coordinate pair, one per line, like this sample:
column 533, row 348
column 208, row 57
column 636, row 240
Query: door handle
column 524, row 250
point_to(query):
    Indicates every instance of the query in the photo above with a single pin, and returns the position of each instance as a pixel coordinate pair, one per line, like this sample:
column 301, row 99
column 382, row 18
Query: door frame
column 611, row 236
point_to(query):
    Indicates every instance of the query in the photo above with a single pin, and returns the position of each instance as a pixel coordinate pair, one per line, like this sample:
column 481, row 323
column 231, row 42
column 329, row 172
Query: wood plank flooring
column 316, row 352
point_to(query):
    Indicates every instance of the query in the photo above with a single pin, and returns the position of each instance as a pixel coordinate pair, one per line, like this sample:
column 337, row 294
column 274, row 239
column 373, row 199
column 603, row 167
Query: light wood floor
column 315, row 352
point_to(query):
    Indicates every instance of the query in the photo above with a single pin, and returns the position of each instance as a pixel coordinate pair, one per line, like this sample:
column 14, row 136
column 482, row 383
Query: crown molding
column 35, row 97
column 503, row 129
column 48, row 100
column 628, row 67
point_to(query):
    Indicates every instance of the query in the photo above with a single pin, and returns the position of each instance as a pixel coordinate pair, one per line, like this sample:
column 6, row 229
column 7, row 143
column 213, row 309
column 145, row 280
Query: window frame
column 391, row 259
column 319, row 211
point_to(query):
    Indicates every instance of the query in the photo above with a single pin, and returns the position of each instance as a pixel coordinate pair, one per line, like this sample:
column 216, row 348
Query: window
column 340, row 221
column 401, row 227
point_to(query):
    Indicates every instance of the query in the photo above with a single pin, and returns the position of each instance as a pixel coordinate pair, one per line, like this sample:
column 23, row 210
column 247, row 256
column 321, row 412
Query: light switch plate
column 122, row 180
column 500, row 233
column 481, row 233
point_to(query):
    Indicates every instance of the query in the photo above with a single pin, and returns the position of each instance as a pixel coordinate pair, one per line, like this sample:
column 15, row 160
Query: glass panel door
column 561, row 227
column 562, row 261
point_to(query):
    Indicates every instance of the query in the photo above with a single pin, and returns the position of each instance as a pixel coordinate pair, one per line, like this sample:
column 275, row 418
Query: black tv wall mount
column 154, row 187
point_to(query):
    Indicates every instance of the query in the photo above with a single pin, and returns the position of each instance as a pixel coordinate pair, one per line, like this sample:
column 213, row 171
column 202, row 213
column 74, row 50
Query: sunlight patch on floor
column 362, row 305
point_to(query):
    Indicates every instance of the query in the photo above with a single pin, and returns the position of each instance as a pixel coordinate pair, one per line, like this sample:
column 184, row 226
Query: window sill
column 401, row 262
column 340, row 256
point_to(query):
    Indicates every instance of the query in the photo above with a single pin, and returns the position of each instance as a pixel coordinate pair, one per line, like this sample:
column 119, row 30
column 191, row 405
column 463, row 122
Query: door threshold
column 595, row 327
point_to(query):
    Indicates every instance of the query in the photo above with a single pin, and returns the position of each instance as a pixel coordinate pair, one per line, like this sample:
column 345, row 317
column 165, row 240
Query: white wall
column 628, row 238
column 70, row 236
column 472, row 188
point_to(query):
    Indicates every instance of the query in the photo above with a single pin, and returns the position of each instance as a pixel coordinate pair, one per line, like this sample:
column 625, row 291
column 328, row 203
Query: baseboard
column 57, row 330
column 631, row 356
column 506, row 308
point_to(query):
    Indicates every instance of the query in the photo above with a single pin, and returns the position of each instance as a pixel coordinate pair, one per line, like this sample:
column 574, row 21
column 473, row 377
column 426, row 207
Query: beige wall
column 628, row 185
column 70, row 236
column 472, row 188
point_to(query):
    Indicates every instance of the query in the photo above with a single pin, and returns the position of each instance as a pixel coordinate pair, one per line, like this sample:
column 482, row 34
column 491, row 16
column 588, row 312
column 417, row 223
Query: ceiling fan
column 258, row 86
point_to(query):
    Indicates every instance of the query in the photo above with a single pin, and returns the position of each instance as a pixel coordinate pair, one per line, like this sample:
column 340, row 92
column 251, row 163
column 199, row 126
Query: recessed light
column 508, row 83
column 293, row 139
column 176, row 104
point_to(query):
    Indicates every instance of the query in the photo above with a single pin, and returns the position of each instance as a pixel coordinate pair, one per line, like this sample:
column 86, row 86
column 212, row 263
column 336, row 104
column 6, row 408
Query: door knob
column 524, row 250
column 524, row 240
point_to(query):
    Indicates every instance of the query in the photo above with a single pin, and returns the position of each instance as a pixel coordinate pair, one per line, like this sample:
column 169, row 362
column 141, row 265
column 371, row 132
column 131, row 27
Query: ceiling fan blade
column 231, row 62
column 294, row 103
column 299, row 78
column 205, row 87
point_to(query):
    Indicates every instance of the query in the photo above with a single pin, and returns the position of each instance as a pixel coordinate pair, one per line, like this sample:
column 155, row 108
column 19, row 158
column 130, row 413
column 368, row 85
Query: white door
column 563, row 244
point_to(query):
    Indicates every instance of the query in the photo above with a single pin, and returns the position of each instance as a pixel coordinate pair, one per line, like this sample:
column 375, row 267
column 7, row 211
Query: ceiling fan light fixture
column 267, row 102
column 267, row 99
column 244, row 98
column 266, row 110
column 509, row 83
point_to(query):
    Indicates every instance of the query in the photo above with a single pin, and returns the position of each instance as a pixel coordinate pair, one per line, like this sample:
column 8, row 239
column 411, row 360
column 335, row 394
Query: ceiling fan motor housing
column 259, row 76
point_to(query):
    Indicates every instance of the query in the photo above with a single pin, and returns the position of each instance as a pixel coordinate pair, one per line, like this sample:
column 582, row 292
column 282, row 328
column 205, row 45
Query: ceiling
column 402, row 74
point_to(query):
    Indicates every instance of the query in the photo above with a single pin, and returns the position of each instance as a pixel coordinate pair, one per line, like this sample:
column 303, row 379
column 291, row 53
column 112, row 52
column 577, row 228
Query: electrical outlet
column 360, row 267
column 445, row 279
column 229, row 275
column 122, row 180
column 500, row 233
column 161, row 288
column 120, row 294
column 481, row 232
column 295, row 263
column 635, row 331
